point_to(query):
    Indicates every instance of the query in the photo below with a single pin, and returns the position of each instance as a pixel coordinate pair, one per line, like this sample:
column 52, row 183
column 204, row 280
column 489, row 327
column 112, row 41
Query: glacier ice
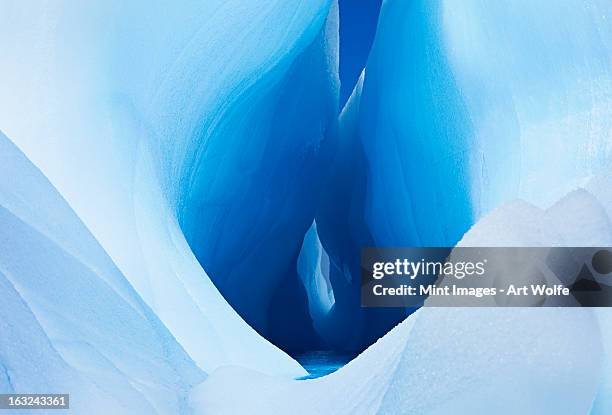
column 463, row 106
column 600, row 187
column 93, row 325
column 313, row 269
column 460, row 110
column 343, row 231
column 251, row 193
column 458, row 360
column 148, row 148
column 29, row 362
column 358, row 19
column 124, row 96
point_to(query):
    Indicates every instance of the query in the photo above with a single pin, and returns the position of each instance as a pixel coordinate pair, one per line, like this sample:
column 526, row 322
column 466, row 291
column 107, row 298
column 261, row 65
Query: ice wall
column 343, row 231
column 256, row 166
column 465, row 105
column 116, row 102
column 358, row 19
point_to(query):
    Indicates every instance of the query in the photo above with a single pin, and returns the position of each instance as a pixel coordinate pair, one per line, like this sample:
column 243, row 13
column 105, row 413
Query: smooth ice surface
column 467, row 104
column 93, row 326
column 343, row 231
column 256, row 166
column 119, row 104
column 29, row 362
column 358, row 19
column 313, row 269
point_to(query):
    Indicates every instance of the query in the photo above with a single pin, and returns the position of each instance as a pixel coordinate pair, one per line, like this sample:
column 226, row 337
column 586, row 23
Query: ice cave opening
column 429, row 140
column 251, row 196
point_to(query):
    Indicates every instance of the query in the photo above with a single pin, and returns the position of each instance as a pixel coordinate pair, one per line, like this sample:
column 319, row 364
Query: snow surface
column 439, row 361
column 581, row 218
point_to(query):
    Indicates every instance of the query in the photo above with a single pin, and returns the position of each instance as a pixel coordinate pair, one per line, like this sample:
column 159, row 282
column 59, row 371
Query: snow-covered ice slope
column 439, row 361
column 142, row 116
column 581, row 218
column 94, row 328
column 29, row 362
